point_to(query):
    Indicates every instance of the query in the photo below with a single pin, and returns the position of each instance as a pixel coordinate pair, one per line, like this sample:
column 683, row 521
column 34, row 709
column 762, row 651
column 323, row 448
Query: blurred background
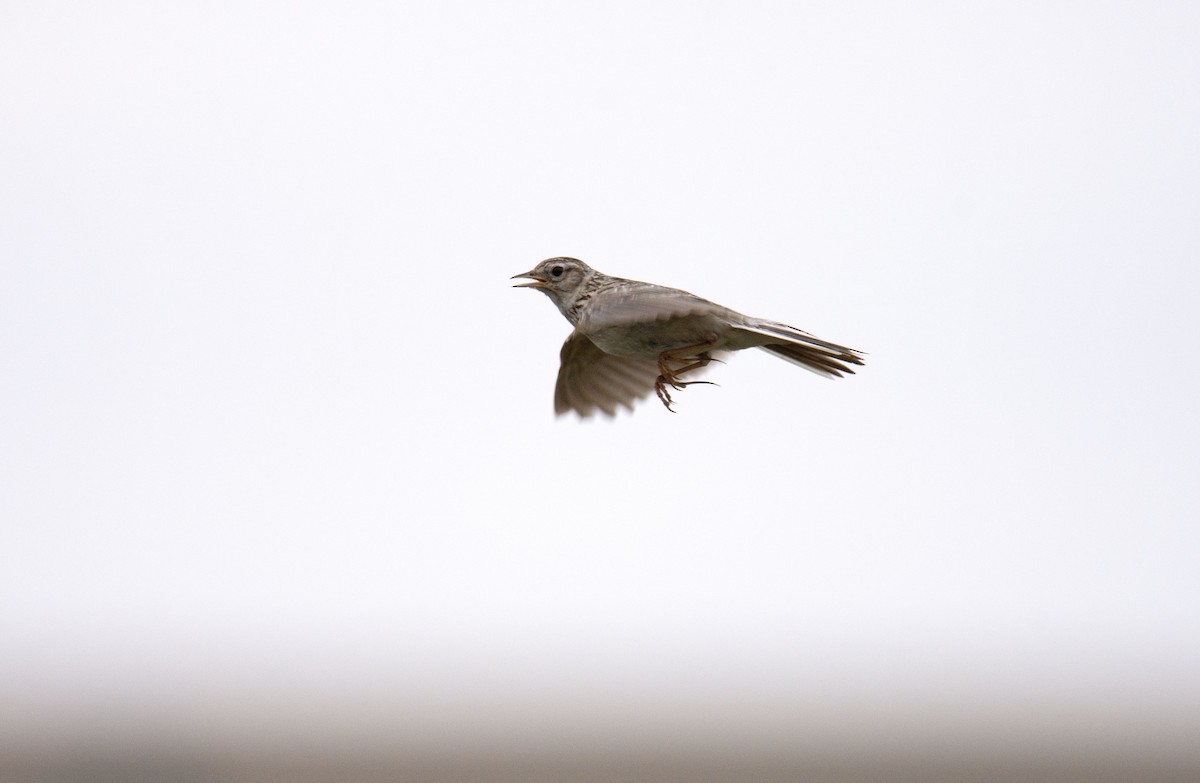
column 284, row 497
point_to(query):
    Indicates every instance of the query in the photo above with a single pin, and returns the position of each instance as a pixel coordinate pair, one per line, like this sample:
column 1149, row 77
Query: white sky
column 275, row 429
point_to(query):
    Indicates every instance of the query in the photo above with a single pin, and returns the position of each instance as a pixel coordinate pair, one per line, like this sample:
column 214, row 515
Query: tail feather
column 812, row 360
column 800, row 348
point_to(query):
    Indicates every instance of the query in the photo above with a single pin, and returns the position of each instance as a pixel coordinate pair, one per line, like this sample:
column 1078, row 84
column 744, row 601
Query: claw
column 677, row 384
column 660, row 388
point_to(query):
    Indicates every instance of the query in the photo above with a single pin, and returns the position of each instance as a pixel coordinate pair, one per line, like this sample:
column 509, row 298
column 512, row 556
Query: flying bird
column 632, row 338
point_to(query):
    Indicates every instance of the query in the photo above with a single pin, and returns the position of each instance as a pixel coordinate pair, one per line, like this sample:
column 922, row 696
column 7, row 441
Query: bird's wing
column 589, row 378
column 633, row 303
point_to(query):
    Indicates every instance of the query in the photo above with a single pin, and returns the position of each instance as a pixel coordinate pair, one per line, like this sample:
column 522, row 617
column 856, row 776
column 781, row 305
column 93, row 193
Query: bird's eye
column 556, row 271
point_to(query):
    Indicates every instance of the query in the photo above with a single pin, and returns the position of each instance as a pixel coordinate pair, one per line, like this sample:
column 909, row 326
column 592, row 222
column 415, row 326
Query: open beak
column 537, row 281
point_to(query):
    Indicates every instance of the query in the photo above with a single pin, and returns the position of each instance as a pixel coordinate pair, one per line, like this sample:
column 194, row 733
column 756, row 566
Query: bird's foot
column 670, row 377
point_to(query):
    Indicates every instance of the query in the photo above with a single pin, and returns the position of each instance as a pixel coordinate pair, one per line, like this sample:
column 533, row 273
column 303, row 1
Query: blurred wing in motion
column 589, row 378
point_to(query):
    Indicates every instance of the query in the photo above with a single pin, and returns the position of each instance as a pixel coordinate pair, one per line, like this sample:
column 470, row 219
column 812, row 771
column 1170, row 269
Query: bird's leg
column 698, row 359
column 670, row 377
column 701, row 360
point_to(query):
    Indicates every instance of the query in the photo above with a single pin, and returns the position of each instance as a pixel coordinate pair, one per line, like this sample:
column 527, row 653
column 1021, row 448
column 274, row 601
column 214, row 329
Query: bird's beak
column 537, row 280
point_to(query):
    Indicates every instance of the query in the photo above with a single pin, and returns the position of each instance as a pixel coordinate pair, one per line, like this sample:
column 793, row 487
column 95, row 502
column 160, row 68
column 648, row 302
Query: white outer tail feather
column 823, row 353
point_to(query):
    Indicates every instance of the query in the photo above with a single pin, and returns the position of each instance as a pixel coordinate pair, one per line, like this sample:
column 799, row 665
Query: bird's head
column 561, row 279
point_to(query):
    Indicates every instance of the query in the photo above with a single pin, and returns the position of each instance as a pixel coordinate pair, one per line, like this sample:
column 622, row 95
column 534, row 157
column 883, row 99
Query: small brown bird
column 631, row 338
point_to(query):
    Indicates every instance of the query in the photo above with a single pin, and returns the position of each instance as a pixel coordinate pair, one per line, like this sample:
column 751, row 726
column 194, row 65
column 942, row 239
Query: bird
column 631, row 338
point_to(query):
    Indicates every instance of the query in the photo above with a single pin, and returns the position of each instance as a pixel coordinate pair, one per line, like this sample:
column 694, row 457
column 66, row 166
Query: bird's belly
column 649, row 340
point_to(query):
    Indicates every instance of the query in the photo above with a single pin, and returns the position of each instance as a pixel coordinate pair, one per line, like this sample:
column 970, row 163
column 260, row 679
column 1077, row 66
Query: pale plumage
column 632, row 338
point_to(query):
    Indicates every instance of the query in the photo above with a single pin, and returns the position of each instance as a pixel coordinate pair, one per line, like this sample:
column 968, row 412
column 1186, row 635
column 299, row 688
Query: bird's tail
column 802, row 349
